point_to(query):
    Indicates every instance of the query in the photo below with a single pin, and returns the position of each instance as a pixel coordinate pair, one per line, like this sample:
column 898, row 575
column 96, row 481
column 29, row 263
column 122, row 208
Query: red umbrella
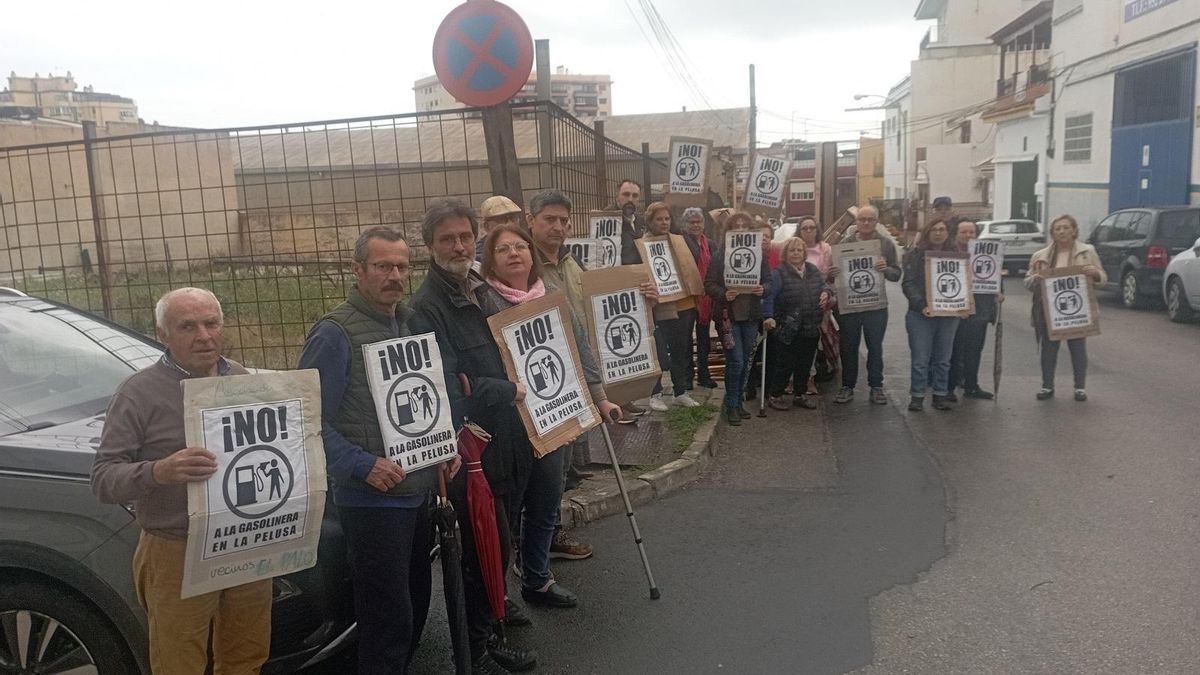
column 481, row 508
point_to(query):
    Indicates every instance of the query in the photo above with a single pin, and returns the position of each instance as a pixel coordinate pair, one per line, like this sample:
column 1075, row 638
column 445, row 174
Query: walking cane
column 762, row 390
column 637, row 534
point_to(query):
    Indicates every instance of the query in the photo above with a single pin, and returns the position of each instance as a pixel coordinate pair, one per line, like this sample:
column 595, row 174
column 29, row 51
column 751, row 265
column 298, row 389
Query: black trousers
column 703, row 349
column 389, row 557
column 1079, row 361
column 676, row 336
column 480, row 618
column 789, row 362
column 968, row 351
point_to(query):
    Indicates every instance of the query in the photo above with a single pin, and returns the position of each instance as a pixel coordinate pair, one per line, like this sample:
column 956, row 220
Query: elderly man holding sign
column 144, row 459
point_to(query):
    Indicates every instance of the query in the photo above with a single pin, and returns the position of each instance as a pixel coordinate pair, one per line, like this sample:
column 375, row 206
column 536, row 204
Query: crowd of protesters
column 481, row 265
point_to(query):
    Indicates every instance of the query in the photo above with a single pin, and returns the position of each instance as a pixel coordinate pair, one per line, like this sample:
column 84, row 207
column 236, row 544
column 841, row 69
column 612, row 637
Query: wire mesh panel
column 265, row 217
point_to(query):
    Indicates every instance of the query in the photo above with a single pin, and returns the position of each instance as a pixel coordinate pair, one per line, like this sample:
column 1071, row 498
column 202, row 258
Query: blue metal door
column 1152, row 134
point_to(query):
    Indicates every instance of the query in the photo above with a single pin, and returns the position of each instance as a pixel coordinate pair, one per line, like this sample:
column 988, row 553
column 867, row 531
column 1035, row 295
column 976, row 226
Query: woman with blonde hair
column 1065, row 250
column 797, row 295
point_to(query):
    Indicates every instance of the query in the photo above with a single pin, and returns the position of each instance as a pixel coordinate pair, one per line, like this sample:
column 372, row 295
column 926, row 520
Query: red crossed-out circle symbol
column 483, row 53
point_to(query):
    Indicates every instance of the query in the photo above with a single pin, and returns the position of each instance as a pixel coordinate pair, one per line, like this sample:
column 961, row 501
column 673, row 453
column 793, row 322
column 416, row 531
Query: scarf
column 512, row 295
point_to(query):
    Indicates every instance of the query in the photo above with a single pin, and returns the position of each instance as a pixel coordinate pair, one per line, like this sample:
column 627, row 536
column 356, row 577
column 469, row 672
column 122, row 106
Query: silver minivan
column 1022, row 238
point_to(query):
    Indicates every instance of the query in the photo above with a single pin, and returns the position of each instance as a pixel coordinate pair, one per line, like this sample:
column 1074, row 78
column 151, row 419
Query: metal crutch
column 762, row 390
column 637, row 534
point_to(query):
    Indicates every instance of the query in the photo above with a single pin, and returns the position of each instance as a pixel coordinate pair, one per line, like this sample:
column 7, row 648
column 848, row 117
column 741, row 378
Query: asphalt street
column 1015, row 536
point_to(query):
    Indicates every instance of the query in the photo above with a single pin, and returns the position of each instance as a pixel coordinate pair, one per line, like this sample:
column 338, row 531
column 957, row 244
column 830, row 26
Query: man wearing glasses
column 871, row 325
column 384, row 511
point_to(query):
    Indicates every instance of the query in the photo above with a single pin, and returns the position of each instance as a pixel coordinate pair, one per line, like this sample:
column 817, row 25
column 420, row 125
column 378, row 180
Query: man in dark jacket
column 872, row 324
column 450, row 304
column 384, row 511
column 972, row 331
column 633, row 226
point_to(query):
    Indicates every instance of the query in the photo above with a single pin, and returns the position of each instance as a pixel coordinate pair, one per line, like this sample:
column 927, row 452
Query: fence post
column 89, row 136
column 502, row 152
column 601, row 166
column 646, row 172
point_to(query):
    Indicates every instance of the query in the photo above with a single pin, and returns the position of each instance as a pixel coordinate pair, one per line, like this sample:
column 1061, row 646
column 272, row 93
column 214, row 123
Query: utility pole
column 753, row 116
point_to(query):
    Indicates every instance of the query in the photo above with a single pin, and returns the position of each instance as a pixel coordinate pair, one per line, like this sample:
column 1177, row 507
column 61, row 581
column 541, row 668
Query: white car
column 1022, row 238
column 1181, row 285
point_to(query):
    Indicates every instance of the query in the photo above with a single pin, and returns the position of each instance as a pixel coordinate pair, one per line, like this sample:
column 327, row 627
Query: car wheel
column 46, row 629
column 1178, row 309
column 1130, row 296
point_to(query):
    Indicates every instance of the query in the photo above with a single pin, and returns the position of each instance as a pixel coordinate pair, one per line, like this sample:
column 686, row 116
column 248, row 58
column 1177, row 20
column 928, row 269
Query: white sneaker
column 657, row 404
column 686, row 401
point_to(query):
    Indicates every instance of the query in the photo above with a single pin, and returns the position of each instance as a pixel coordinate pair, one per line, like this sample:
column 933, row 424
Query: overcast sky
column 221, row 63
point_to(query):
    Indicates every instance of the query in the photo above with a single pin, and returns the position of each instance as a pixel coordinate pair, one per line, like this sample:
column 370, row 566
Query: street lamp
column 901, row 130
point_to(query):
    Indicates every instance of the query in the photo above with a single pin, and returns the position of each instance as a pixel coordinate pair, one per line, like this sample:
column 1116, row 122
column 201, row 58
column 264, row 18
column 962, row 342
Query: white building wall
column 1094, row 41
column 897, row 142
column 1019, row 140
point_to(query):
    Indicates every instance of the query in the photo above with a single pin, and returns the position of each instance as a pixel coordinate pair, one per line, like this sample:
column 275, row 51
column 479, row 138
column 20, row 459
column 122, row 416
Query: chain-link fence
column 266, row 216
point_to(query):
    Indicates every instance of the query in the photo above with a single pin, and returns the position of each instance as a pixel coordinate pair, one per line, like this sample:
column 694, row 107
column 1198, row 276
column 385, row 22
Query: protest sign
column 621, row 326
column 860, row 287
column 589, row 252
column 409, row 389
column 764, row 187
column 671, row 266
column 948, row 284
column 1069, row 304
column 606, row 226
column 987, row 265
column 537, row 344
column 743, row 259
column 259, row 515
column 688, row 181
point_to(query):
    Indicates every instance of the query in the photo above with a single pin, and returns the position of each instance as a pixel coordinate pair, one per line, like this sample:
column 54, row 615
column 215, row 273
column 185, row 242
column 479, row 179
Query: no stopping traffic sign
column 482, row 53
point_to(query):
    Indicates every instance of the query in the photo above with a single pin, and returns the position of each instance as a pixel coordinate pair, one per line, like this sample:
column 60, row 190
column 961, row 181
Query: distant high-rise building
column 580, row 95
column 57, row 97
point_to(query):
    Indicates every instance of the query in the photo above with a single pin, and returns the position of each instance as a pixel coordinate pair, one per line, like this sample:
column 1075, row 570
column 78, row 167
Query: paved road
column 1010, row 537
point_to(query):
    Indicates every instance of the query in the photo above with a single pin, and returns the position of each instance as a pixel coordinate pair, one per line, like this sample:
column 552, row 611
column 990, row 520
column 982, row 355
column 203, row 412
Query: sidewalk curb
column 651, row 485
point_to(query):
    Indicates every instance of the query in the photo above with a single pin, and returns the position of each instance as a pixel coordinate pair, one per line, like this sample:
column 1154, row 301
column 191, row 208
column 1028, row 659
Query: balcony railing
column 1038, row 73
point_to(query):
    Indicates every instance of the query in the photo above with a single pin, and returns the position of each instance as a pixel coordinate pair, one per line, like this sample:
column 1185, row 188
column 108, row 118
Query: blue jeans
column 856, row 327
column 736, row 360
column 931, row 341
column 534, row 514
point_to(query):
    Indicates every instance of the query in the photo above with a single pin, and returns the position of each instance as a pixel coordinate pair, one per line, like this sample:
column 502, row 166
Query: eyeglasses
column 868, row 220
column 808, row 227
column 505, row 249
column 385, row 269
column 465, row 238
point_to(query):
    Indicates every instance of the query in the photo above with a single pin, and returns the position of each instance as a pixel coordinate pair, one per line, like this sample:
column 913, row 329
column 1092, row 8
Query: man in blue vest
column 384, row 511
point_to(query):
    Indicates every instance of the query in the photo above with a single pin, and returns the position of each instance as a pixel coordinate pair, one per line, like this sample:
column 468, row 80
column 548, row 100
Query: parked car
column 1181, row 285
column 67, row 602
column 1022, row 238
column 1135, row 246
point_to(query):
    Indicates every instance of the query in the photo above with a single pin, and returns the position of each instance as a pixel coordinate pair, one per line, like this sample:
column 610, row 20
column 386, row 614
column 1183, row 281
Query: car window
column 1026, row 227
column 1002, row 228
column 57, row 365
column 1103, row 231
column 1179, row 228
column 1120, row 227
column 1139, row 225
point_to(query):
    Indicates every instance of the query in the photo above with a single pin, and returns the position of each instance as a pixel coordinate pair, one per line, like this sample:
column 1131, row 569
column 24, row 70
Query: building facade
column 1125, row 113
column 58, row 97
column 586, row 96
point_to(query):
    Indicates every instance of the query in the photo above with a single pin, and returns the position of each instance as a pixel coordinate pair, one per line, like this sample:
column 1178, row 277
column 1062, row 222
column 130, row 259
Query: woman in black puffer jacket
column 792, row 308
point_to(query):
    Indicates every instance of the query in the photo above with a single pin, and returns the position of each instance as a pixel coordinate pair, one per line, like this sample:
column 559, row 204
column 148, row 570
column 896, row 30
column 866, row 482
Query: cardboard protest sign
column 537, row 344
column 764, row 187
column 948, row 284
column 860, row 287
column 621, row 326
column 688, row 166
column 743, row 259
column 589, row 252
column 259, row 515
column 987, row 265
column 409, row 388
column 1069, row 303
column 606, row 226
column 671, row 266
